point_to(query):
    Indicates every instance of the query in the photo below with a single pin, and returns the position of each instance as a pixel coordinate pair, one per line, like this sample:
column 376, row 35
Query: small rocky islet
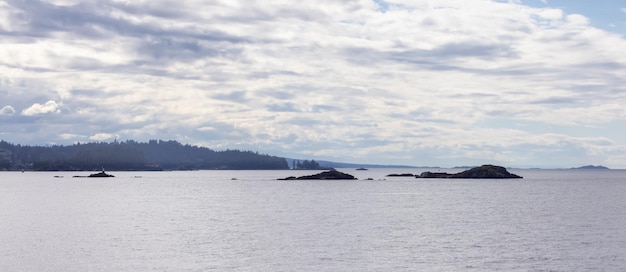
column 331, row 174
column 486, row 171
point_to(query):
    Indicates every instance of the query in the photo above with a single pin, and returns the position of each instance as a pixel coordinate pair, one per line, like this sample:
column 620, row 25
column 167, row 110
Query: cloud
column 411, row 82
column 577, row 19
column 7, row 110
column 284, row 107
column 235, row 96
column 70, row 136
column 38, row 109
column 101, row 136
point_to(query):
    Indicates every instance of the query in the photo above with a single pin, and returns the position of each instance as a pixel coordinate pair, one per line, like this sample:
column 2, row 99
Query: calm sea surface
column 552, row 220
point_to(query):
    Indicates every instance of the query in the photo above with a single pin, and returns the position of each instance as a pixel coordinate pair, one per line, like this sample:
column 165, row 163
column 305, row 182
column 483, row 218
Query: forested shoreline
column 131, row 155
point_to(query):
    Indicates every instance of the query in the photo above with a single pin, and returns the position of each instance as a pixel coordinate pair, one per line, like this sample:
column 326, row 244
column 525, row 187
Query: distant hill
column 592, row 167
column 131, row 155
column 325, row 165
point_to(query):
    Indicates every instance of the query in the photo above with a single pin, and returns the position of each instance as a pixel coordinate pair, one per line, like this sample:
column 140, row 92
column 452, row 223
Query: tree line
column 308, row 165
column 131, row 155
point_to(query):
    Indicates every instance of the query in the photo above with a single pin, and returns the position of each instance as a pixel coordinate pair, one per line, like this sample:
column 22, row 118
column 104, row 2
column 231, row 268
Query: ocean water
column 552, row 220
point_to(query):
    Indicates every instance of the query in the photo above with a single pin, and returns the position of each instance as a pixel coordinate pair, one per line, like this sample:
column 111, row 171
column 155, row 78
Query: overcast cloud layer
column 445, row 82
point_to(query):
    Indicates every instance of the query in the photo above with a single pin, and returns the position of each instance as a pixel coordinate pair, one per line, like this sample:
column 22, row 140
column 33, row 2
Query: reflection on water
column 247, row 220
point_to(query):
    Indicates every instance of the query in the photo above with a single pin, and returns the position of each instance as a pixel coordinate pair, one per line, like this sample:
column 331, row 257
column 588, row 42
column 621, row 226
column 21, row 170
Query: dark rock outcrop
column 482, row 172
column 101, row 175
column 434, row 175
column 332, row 174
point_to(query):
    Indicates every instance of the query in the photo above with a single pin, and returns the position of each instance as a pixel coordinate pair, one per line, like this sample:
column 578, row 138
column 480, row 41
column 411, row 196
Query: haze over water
column 552, row 220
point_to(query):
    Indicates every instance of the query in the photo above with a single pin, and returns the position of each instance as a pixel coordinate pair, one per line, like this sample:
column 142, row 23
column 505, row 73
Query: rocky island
column 487, row 171
column 332, row 174
column 100, row 174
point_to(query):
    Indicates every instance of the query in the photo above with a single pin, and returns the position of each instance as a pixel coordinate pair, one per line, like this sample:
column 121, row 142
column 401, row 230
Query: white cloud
column 551, row 14
column 38, row 109
column 70, row 136
column 578, row 19
column 7, row 110
column 101, row 136
column 6, row 12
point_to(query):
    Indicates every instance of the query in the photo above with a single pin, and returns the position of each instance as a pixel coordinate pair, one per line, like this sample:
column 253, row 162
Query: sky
column 424, row 83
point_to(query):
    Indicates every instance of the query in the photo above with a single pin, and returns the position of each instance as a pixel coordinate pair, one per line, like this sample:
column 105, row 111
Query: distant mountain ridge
column 592, row 167
column 131, row 155
column 331, row 164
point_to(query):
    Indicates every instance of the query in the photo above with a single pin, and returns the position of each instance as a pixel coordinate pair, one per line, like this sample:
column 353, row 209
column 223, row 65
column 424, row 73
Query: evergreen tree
column 132, row 155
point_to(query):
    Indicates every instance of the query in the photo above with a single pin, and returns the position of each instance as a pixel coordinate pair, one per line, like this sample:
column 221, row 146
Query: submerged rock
column 487, row 171
column 332, row 174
